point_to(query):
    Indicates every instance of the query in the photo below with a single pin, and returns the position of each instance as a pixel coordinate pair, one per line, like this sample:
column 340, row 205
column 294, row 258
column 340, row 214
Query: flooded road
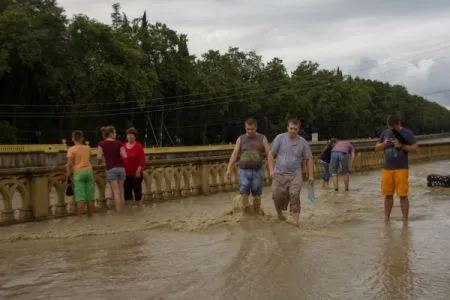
column 194, row 249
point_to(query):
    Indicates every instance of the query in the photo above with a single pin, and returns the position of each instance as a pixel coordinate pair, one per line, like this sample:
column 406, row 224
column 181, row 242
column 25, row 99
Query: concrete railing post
column 40, row 195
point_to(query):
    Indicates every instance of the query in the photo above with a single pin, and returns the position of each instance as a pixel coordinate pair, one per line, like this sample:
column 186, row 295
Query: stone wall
column 28, row 194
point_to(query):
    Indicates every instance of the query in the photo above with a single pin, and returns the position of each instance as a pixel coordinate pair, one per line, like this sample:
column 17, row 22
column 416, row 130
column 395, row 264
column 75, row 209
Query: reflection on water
column 194, row 249
column 397, row 277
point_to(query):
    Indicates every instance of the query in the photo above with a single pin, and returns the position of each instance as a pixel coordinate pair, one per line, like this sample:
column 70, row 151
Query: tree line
column 57, row 75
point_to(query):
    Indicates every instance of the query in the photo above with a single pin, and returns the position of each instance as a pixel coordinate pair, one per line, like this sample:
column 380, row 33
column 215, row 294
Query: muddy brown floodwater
column 193, row 249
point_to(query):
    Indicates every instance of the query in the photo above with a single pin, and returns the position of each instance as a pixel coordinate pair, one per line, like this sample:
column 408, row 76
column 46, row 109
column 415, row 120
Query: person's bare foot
column 293, row 223
column 295, row 218
column 248, row 210
column 257, row 205
column 281, row 215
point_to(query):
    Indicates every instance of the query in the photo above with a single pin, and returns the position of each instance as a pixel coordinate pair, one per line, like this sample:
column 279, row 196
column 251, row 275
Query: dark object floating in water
column 438, row 180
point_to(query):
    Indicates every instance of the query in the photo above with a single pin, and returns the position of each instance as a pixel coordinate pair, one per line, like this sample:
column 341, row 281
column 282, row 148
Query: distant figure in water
column 396, row 142
column 324, row 162
column 340, row 155
column 438, row 180
column 250, row 148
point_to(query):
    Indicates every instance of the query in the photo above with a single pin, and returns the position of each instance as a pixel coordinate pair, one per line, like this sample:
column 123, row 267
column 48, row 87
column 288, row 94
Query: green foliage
column 57, row 75
column 8, row 133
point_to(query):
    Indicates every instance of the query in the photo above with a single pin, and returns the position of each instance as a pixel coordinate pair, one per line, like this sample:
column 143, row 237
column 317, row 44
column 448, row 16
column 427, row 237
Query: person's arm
column 352, row 157
column 234, row 155
column 99, row 155
column 382, row 143
column 69, row 165
column 307, row 154
column 141, row 166
column 413, row 148
column 123, row 152
column 270, row 158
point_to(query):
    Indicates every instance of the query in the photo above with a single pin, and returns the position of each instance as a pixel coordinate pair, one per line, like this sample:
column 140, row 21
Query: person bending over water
column 324, row 162
column 340, row 155
column 394, row 175
column 290, row 150
column 113, row 152
column 250, row 148
column 134, row 167
column 79, row 165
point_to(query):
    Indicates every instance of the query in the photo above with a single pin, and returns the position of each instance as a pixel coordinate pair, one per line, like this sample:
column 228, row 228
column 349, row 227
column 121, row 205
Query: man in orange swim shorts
column 396, row 142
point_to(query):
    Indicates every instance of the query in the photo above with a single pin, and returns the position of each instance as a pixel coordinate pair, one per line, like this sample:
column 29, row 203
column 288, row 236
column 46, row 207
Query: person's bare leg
column 121, row 193
column 295, row 218
column 388, row 203
column 246, row 207
column 346, row 182
column 80, row 207
column 90, row 208
column 335, row 183
column 278, row 207
column 116, row 195
column 280, row 215
column 294, row 199
column 257, row 204
column 404, row 204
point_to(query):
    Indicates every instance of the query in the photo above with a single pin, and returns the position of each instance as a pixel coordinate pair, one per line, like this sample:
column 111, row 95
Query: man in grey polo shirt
column 291, row 150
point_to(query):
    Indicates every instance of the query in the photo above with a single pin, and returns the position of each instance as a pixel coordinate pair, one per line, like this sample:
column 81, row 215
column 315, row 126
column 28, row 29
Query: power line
column 174, row 106
column 138, row 112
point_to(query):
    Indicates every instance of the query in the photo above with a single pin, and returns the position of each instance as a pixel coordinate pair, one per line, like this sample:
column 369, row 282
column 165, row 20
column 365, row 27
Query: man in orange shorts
column 396, row 142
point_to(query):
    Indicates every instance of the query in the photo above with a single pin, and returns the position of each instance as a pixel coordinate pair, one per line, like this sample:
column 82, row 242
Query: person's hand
column 272, row 174
column 227, row 173
column 138, row 172
column 397, row 144
column 387, row 143
column 311, row 180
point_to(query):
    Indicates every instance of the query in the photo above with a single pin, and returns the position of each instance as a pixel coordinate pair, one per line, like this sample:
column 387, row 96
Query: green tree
column 57, row 75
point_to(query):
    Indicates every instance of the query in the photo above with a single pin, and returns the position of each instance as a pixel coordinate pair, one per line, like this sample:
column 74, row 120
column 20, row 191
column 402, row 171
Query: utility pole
column 161, row 128
column 149, row 121
column 146, row 129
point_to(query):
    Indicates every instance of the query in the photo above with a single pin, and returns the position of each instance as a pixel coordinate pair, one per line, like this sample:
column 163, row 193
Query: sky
column 401, row 41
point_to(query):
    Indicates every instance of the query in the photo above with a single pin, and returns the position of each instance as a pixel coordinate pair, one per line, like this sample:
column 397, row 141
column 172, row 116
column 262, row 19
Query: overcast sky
column 401, row 41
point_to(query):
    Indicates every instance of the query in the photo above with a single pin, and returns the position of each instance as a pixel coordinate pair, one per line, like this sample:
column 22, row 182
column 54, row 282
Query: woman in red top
column 134, row 167
column 113, row 152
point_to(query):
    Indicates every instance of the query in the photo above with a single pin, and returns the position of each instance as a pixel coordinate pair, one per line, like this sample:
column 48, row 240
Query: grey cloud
column 438, row 80
column 291, row 13
column 357, row 35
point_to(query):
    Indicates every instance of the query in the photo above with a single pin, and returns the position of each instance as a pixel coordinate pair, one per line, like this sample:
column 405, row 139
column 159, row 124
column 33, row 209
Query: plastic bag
column 311, row 196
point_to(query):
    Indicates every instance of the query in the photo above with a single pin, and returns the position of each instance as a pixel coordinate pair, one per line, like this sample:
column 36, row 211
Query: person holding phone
column 396, row 142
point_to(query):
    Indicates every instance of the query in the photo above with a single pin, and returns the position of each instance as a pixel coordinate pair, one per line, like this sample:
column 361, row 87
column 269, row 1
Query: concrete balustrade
column 37, row 193
column 21, row 156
